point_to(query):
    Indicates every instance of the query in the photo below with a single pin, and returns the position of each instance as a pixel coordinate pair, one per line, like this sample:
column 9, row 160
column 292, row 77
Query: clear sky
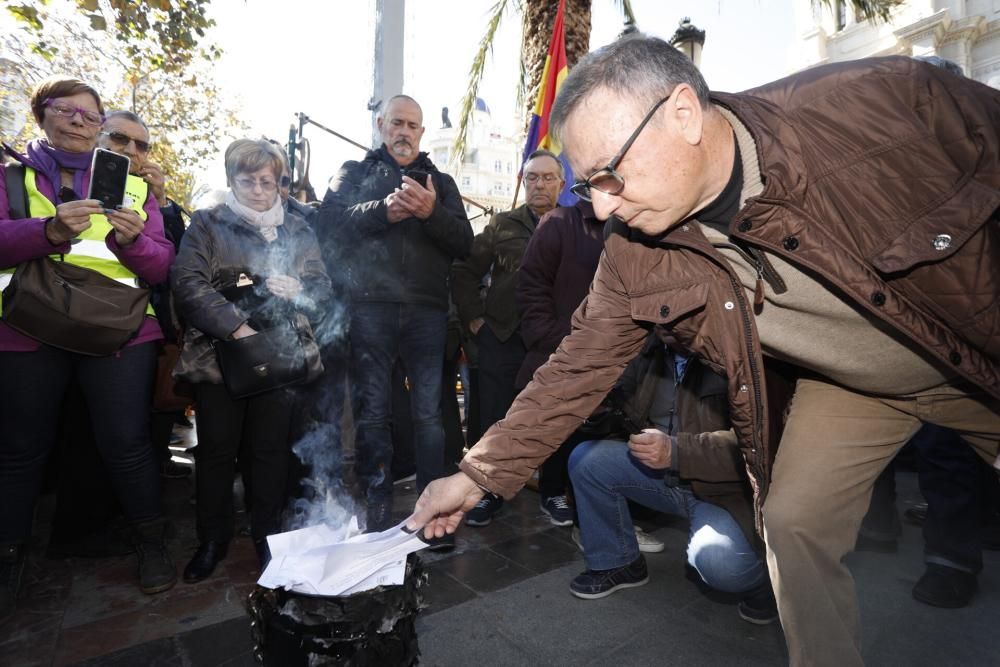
column 303, row 55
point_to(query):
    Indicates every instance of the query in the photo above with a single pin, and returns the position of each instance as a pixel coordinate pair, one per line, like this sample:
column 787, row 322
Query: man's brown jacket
column 881, row 178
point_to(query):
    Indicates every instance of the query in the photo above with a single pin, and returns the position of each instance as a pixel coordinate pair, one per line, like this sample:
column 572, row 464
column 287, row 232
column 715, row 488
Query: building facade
column 967, row 32
column 488, row 172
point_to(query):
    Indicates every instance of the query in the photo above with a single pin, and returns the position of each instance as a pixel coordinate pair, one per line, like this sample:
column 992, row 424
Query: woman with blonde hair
column 243, row 265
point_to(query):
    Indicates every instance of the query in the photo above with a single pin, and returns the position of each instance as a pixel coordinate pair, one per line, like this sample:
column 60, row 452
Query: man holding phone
column 390, row 227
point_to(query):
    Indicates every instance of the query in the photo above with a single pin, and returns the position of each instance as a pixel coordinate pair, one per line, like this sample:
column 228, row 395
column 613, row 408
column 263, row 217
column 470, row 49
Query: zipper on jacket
column 765, row 271
column 758, row 448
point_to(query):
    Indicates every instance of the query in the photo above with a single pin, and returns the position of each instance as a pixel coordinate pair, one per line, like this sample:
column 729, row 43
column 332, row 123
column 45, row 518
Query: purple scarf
column 50, row 160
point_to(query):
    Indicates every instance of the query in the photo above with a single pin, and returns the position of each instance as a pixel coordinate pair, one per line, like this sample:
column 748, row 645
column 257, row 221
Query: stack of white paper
column 320, row 560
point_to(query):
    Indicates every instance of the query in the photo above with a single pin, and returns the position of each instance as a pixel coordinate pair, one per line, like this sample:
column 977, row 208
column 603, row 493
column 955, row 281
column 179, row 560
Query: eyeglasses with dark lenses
column 121, row 139
column 607, row 180
column 249, row 184
column 68, row 111
column 285, row 181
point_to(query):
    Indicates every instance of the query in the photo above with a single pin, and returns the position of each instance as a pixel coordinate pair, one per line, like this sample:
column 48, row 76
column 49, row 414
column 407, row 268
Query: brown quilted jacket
column 865, row 165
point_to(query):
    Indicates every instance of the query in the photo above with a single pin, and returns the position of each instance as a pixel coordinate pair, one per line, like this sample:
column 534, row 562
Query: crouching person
column 685, row 462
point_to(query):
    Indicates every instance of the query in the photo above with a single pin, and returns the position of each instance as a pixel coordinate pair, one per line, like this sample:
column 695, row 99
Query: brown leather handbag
column 73, row 308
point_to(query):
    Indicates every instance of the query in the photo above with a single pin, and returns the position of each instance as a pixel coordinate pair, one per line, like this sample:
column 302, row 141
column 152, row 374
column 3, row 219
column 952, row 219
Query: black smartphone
column 108, row 173
column 418, row 175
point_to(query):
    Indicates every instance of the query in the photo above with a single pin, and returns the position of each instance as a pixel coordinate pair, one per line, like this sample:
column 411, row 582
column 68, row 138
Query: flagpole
column 517, row 191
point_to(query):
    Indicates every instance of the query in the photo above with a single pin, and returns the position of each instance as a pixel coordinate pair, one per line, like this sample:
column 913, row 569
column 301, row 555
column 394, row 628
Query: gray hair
column 541, row 152
column 640, row 68
column 407, row 98
column 126, row 115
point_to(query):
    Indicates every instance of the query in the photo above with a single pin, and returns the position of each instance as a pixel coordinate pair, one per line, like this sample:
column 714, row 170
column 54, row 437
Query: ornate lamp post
column 689, row 40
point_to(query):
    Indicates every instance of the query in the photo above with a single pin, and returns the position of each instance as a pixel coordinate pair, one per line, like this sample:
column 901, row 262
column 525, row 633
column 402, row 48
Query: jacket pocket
column 666, row 305
column 940, row 232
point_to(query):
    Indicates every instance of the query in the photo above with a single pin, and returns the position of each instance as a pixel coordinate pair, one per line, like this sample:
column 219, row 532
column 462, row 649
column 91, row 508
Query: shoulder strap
column 17, row 195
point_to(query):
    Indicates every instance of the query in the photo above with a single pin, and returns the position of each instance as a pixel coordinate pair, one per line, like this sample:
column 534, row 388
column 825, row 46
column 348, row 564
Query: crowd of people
column 757, row 301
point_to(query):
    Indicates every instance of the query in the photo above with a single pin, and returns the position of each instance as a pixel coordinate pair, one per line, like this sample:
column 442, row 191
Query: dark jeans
column 381, row 333
column 553, row 474
column 404, row 451
column 117, row 390
column 499, row 362
column 263, row 422
column 454, row 440
column 955, row 482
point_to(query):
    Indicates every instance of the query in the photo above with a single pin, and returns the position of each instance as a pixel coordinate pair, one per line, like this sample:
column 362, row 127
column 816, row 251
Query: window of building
column 840, row 14
column 510, row 167
column 466, row 181
column 498, row 166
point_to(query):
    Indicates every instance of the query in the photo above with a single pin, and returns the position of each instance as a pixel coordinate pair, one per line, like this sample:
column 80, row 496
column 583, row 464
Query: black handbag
column 283, row 355
column 73, row 308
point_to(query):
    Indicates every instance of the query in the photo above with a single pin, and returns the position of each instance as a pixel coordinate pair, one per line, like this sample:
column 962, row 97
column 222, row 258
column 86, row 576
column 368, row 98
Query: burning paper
column 320, row 560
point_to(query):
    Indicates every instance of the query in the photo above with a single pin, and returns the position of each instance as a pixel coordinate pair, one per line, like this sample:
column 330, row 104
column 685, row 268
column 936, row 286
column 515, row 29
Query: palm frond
column 475, row 77
column 626, row 7
column 870, row 10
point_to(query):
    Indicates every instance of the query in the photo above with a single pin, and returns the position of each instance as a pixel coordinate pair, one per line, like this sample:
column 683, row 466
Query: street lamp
column 689, row 40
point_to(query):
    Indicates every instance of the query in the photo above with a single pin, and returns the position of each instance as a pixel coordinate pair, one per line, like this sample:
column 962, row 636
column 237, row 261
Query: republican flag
column 553, row 75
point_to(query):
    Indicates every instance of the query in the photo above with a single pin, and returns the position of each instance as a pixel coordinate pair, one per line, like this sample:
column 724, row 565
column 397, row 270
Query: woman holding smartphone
column 126, row 244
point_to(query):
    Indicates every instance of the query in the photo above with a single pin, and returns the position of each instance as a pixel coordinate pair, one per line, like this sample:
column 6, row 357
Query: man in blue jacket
column 391, row 225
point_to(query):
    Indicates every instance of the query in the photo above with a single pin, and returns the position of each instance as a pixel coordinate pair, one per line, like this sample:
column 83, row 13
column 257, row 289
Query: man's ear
column 687, row 113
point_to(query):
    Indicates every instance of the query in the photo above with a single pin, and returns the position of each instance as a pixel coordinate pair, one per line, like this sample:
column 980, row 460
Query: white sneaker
column 648, row 543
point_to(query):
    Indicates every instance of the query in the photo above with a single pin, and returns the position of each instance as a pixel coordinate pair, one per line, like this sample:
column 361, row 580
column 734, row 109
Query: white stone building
column 488, row 173
column 966, row 32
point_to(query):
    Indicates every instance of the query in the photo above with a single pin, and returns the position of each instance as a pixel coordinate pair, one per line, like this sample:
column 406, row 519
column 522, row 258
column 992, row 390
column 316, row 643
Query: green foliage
column 150, row 57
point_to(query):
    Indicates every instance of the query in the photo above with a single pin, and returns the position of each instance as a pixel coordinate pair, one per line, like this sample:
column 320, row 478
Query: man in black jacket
column 395, row 223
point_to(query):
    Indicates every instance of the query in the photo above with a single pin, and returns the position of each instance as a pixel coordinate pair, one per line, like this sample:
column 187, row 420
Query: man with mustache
column 390, row 226
column 846, row 220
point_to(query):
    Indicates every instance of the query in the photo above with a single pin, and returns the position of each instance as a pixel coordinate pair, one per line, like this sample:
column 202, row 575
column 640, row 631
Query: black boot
column 12, row 556
column 156, row 570
column 202, row 564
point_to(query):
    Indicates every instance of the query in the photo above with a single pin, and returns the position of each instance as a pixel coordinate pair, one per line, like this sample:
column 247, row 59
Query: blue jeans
column 381, row 333
column 605, row 478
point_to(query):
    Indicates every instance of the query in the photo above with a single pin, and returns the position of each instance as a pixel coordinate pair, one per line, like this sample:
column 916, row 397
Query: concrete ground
column 501, row 598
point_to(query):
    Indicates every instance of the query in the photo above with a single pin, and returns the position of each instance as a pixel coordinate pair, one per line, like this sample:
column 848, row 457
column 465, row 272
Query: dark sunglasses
column 121, row 139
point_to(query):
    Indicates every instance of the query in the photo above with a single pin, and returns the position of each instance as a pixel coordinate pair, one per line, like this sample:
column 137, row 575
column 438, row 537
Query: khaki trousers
column 835, row 443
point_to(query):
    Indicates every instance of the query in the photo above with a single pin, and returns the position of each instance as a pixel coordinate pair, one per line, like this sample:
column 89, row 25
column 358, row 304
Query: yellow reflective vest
column 89, row 249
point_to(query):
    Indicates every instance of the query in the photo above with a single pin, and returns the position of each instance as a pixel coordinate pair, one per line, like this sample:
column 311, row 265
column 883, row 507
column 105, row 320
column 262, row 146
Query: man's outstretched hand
column 440, row 507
